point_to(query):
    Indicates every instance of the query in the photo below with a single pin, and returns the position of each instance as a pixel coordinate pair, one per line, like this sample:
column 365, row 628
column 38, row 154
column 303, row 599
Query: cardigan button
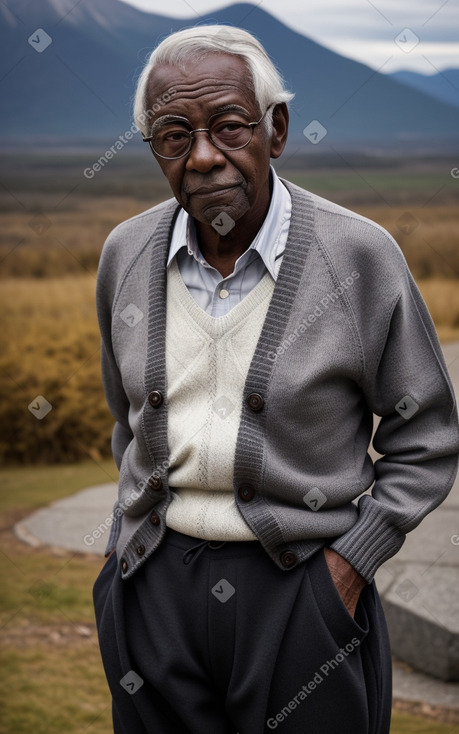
column 124, row 565
column 288, row 559
column 154, row 518
column 140, row 550
column 155, row 398
column 255, row 402
column 155, row 482
column 246, row 493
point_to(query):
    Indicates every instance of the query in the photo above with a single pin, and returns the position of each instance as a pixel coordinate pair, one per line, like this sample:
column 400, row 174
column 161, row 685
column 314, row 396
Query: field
column 54, row 222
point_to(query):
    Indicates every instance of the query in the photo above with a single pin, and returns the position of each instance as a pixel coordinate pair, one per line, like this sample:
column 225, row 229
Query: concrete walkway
column 419, row 587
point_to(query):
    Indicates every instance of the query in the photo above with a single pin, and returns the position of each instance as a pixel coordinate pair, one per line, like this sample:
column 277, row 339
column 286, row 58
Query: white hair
column 193, row 44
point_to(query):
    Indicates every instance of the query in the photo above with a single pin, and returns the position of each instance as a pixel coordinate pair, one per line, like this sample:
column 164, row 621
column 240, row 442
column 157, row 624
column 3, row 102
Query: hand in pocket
column 349, row 583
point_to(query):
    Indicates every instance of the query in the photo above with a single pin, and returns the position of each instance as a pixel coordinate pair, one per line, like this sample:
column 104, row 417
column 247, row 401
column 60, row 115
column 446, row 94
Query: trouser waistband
column 194, row 547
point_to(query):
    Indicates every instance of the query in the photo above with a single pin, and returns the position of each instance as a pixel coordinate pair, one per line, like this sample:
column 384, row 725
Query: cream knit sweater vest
column 207, row 360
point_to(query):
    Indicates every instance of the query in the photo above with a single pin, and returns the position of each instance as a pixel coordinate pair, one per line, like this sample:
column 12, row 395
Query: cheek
column 254, row 183
column 255, row 168
column 174, row 177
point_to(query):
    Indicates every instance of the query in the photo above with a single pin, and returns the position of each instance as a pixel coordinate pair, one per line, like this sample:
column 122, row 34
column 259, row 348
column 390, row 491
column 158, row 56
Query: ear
column 280, row 129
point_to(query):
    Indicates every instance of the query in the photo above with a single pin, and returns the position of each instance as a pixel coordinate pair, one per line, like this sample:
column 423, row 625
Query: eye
column 172, row 132
column 232, row 126
column 175, row 136
column 228, row 126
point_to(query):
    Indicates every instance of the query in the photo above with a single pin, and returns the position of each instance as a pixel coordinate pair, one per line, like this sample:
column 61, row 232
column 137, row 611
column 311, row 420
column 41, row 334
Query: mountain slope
column 443, row 86
column 81, row 85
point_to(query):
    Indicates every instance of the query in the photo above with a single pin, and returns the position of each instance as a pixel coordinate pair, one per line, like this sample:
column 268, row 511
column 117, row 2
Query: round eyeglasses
column 172, row 140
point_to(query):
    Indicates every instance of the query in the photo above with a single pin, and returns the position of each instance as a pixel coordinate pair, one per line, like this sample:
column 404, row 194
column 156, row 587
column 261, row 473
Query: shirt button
column 154, row 518
column 224, row 293
column 155, row 482
column 288, row 559
column 140, row 550
column 255, row 402
column 246, row 493
column 155, row 398
column 124, row 565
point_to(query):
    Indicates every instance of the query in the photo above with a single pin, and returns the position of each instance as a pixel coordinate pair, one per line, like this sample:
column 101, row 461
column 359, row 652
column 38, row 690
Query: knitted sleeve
column 409, row 387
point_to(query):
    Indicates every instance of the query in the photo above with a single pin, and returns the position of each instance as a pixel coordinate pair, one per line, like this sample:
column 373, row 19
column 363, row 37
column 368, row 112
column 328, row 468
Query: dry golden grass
column 53, row 679
column 428, row 236
column 50, row 347
column 43, row 241
column 442, row 299
column 50, row 342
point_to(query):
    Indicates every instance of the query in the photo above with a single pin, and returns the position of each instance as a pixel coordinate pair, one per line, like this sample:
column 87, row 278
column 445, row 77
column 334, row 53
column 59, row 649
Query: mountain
column 69, row 71
column 443, row 86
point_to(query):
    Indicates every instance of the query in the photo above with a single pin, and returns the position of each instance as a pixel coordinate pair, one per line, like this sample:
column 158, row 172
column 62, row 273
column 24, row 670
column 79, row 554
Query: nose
column 203, row 155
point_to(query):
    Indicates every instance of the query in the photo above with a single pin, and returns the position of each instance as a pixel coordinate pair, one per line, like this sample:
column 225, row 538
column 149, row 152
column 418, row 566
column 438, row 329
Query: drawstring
column 196, row 550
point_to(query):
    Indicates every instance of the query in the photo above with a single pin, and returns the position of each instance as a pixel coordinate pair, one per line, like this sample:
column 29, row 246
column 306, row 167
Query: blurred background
column 374, row 127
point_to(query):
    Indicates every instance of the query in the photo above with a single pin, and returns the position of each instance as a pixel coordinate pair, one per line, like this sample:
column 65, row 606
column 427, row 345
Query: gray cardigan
column 346, row 335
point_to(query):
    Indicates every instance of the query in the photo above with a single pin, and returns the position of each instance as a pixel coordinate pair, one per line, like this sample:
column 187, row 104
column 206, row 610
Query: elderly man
column 250, row 330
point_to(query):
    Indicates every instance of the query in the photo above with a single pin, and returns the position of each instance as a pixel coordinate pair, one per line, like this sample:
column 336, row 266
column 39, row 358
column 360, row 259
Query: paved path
column 419, row 587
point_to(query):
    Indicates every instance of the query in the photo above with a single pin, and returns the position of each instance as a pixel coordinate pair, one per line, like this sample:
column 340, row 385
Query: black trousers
column 219, row 640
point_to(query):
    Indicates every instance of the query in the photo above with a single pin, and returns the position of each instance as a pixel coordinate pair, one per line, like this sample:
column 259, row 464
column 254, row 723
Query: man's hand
column 346, row 579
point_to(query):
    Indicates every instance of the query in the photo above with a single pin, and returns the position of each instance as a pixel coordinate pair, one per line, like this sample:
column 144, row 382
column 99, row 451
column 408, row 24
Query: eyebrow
column 165, row 119
column 161, row 121
column 230, row 108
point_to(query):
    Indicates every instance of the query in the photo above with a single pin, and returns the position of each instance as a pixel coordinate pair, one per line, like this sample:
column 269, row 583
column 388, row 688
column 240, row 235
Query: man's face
column 208, row 181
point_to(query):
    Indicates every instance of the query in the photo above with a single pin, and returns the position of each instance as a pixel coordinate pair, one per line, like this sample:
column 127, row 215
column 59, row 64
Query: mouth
column 212, row 190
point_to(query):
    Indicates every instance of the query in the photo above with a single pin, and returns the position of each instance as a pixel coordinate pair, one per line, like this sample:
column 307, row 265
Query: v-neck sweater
column 207, row 360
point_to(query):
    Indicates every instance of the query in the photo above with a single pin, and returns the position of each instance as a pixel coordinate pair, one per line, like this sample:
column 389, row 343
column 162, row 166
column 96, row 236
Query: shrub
column 51, row 349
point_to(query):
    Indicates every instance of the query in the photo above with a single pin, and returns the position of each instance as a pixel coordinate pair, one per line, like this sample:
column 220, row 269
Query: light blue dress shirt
column 217, row 295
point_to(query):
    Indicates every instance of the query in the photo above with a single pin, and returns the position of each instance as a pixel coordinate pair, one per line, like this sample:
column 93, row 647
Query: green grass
column 406, row 724
column 376, row 185
column 381, row 180
column 40, row 585
column 51, row 674
column 31, row 487
column 54, row 691
column 136, row 174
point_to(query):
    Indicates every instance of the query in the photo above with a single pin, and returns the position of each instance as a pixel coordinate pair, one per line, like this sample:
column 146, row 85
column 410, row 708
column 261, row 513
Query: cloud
column 426, row 58
column 360, row 29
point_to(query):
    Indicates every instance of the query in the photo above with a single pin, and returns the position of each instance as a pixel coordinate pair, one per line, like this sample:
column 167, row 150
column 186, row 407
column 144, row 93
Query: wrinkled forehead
column 216, row 76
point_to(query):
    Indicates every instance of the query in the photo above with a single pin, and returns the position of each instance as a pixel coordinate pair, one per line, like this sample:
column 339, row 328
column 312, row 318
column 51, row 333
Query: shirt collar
column 267, row 242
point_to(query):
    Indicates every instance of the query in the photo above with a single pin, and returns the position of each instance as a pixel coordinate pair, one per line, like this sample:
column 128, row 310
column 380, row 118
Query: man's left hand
column 347, row 580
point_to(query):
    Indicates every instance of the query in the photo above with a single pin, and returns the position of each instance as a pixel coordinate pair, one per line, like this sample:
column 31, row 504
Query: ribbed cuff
column 371, row 541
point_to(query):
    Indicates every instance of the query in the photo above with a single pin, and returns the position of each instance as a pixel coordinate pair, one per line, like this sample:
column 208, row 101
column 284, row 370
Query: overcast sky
column 360, row 29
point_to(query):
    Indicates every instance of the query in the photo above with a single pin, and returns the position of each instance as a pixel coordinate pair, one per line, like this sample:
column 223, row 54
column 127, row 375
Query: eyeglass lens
column 174, row 139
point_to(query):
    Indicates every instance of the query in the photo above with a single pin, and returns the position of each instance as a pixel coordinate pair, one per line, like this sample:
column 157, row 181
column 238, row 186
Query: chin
column 207, row 215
